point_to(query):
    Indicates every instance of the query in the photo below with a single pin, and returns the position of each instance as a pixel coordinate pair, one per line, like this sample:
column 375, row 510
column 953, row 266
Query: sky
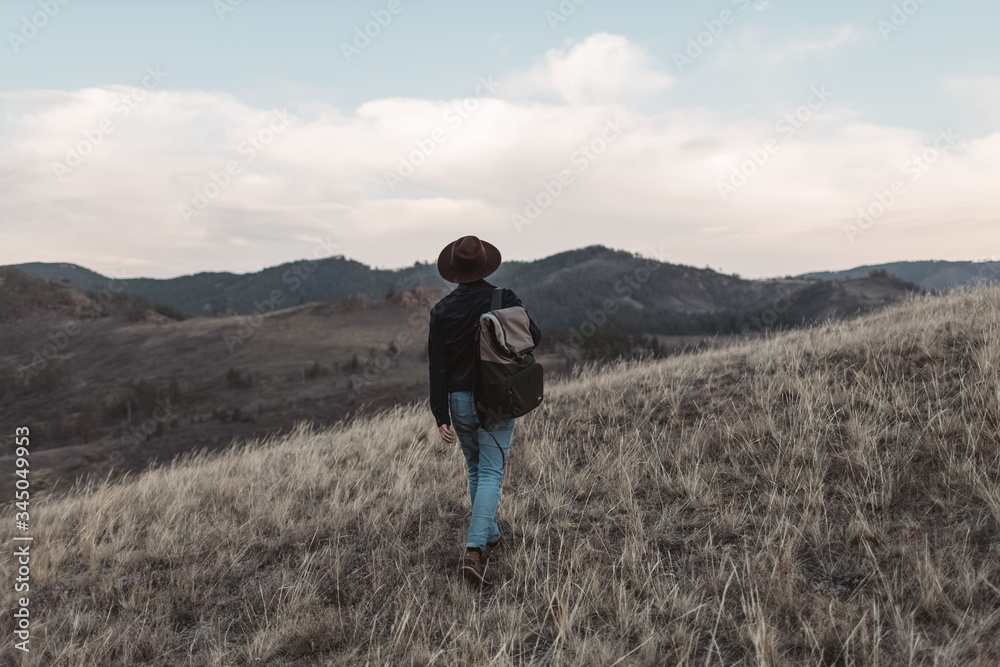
column 758, row 137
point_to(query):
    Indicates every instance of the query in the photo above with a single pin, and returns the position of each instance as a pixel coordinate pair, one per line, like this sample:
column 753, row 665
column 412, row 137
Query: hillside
column 930, row 275
column 64, row 273
column 567, row 283
column 112, row 388
column 20, row 295
column 566, row 290
column 826, row 496
column 112, row 382
column 826, row 299
column 220, row 293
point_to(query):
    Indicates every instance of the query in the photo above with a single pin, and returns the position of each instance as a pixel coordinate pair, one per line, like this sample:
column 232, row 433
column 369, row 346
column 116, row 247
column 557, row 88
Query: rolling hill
column 654, row 297
column 930, row 275
column 113, row 382
column 824, row 496
column 112, row 388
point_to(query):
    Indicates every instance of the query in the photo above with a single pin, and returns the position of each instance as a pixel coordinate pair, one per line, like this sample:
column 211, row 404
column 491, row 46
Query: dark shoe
column 492, row 548
column 474, row 569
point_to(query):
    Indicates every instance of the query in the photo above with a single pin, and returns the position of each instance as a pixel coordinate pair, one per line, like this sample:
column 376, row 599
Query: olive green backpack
column 507, row 381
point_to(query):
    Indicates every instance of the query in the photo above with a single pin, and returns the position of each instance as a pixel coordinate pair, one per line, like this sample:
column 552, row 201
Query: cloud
column 761, row 46
column 833, row 39
column 603, row 68
column 320, row 185
column 982, row 91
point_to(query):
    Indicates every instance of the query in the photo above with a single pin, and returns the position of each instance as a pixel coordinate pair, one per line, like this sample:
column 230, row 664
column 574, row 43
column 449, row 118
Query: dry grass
column 827, row 496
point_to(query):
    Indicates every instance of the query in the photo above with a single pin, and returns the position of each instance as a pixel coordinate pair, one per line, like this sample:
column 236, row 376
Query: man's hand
column 447, row 433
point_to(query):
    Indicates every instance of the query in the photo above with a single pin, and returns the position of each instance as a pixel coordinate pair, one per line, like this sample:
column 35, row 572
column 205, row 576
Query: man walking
column 454, row 323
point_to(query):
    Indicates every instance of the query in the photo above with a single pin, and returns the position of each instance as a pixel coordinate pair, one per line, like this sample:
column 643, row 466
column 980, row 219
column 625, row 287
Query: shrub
column 316, row 371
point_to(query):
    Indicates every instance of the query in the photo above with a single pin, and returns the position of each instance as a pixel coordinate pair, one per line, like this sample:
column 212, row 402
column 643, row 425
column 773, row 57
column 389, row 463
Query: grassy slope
column 827, row 496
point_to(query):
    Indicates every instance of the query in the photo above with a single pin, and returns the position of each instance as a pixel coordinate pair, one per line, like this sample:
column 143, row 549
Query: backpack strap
column 497, row 299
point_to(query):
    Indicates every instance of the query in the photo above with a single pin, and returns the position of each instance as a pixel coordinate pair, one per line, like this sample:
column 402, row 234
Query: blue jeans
column 486, row 458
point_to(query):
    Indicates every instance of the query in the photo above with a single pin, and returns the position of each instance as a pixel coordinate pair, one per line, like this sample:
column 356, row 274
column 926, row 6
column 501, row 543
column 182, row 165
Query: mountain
column 794, row 500
column 68, row 274
column 567, row 290
column 217, row 293
column 930, row 275
column 596, row 273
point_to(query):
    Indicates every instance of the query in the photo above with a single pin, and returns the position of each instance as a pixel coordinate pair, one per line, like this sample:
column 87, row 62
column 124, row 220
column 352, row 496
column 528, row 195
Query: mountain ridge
column 570, row 287
column 929, row 274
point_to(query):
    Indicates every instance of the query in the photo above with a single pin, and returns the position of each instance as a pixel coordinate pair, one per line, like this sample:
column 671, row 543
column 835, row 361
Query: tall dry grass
column 828, row 496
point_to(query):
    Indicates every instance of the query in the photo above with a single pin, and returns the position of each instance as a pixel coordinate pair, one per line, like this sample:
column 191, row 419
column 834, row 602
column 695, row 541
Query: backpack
column 507, row 381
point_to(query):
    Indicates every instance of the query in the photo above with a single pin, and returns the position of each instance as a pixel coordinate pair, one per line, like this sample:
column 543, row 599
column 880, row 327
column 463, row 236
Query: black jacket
column 451, row 340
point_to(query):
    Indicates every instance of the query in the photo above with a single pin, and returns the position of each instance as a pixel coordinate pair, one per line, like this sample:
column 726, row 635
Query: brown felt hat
column 468, row 259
